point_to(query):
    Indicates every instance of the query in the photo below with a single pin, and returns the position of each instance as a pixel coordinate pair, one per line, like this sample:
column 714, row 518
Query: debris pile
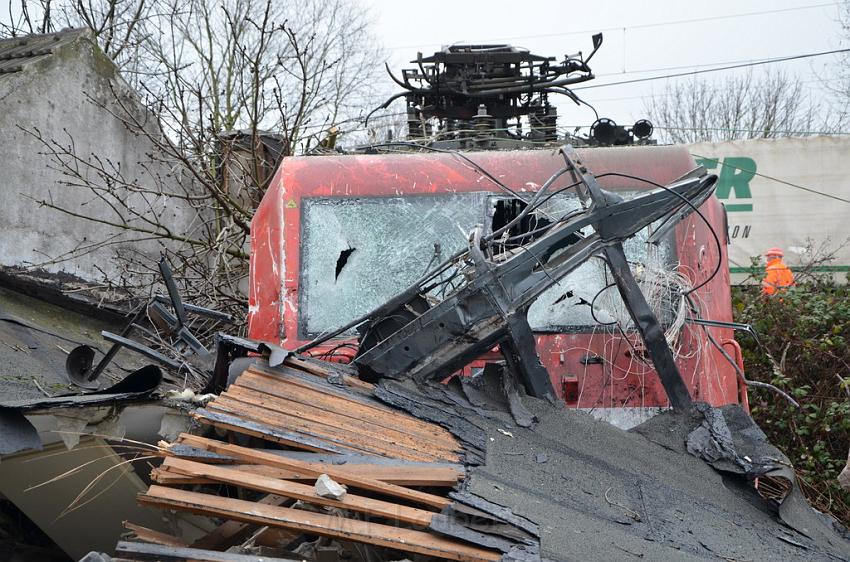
column 434, row 471
column 373, row 474
column 303, row 446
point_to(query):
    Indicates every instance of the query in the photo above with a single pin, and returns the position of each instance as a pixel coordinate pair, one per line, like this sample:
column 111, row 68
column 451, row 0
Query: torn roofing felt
column 18, row 434
column 34, row 339
column 137, row 385
column 599, row 493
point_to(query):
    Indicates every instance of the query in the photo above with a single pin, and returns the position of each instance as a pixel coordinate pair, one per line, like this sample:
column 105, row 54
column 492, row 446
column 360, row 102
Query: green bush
column 805, row 331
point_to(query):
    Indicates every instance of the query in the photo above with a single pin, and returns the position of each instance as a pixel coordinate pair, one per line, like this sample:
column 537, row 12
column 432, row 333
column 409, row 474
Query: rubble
column 67, row 443
column 497, row 500
column 327, row 488
column 481, row 469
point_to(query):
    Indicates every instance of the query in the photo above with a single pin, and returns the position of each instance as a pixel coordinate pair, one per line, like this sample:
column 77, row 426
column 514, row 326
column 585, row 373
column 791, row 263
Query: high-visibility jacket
column 778, row 277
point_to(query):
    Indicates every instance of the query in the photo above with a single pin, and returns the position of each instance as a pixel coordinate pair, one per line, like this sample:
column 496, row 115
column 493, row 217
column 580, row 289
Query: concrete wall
column 51, row 96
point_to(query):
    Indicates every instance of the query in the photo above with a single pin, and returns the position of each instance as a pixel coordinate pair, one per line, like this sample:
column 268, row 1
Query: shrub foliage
column 804, row 332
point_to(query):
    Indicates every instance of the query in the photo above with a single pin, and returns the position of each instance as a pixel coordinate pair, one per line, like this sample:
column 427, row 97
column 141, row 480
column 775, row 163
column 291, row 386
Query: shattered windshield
column 567, row 305
column 358, row 252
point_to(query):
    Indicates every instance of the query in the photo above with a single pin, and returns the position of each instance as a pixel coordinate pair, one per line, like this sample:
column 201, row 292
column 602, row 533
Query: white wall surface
column 783, row 192
column 51, row 96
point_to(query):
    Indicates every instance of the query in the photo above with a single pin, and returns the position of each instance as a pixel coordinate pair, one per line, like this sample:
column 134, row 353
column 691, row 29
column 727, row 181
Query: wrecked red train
column 337, row 235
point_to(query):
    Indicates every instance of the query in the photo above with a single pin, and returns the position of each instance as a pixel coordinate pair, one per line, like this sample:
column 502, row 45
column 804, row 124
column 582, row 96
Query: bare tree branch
column 211, row 90
column 768, row 105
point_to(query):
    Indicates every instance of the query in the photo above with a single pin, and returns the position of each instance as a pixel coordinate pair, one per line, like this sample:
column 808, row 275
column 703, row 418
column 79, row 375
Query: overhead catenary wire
column 775, row 133
column 695, row 311
column 719, row 69
column 695, row 209
column 642, row 26
column 667, row 94
column 593, row 305
column 692, row 67
column 532, row 205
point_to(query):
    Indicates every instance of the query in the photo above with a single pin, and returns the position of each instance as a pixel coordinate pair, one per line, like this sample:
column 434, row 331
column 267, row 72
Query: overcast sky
column 638, row 37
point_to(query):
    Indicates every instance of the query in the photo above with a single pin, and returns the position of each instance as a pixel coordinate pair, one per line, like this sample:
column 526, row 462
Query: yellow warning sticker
column 291, row 204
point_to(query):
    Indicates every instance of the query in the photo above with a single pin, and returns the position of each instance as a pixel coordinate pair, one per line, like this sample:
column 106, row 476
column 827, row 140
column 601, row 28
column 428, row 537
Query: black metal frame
column 80, row 370
column 490, row 308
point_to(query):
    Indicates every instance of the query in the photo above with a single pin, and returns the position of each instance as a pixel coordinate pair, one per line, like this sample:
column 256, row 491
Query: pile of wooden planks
column 306, row 411
column 302, row 420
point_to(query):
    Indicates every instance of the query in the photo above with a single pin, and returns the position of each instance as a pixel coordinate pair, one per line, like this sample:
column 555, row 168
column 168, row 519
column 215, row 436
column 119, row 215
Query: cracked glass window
column 358, row 252
column 567, row 305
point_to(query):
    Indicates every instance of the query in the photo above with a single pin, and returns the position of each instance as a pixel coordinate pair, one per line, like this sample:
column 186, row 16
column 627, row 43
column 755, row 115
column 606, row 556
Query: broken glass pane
column 359, row 252
column 566, row 306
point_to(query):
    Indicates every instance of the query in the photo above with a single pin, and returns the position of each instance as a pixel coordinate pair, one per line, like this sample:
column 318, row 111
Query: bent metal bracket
column 428, row 333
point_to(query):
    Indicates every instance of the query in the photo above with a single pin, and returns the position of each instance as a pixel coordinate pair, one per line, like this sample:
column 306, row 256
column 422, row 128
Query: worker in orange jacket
column 778, row 275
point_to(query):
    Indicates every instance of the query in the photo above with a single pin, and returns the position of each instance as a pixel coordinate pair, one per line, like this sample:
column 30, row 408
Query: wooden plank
column 390, row 423
column 440, row 476
column 403, row 475
column 303, row 492
column 341, row 440
column 314, row 367
column 350, row 431
column 293, row 376
column 159, row 553
column 407, row 540
column 345, row 404
column 182, row 450
column 177, row 449
column 294, row 424
column 364, row 483
column 285, row 378
column 166, row 478
column 318, row 412
column 246, row 427
column 155, row 537
column 232, row 532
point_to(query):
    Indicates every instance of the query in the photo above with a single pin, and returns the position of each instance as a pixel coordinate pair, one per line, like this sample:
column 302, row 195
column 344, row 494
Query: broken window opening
column 342, row 260
column 529, row 228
